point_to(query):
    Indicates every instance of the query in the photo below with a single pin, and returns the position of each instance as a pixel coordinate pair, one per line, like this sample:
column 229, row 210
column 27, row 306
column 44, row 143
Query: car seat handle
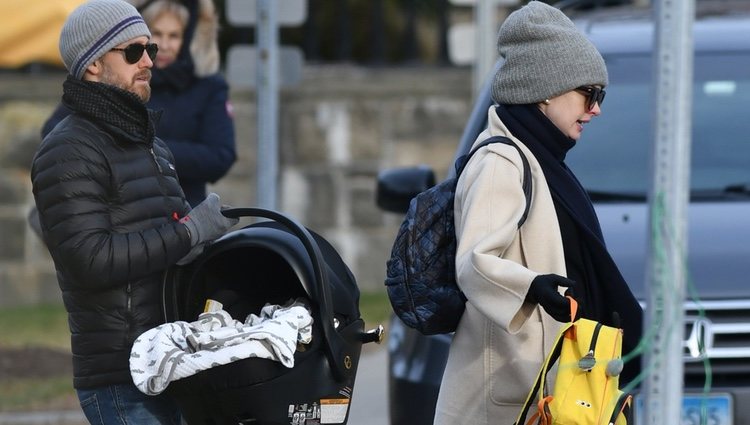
column 323, row 292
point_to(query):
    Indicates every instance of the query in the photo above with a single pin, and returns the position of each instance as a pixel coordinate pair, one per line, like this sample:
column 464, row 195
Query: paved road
column 369, row 406
column 370, row 402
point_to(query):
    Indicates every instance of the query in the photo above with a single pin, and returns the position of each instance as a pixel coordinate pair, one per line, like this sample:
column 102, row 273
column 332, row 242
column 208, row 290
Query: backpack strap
column 624, row 407
column 554, row 354
column 542, row 375
column 464, row 159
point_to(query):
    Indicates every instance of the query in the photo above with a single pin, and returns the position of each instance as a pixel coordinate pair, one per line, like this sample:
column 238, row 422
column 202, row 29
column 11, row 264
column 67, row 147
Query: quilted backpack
column 421, row 272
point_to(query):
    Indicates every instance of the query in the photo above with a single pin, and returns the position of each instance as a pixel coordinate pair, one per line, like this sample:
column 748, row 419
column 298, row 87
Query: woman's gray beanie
column 545, row 56
column 94, row 28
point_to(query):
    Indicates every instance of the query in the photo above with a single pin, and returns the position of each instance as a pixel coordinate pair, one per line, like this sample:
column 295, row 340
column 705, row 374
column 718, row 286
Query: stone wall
column 338, row 128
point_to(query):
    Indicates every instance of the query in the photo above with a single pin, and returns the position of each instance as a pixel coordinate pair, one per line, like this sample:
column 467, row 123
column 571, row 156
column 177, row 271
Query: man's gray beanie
column 94, row 28
column 545, row 56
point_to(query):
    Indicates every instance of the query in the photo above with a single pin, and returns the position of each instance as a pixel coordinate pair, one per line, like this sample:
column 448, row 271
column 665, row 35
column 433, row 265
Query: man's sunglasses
column 134, row 52
column 594, row 95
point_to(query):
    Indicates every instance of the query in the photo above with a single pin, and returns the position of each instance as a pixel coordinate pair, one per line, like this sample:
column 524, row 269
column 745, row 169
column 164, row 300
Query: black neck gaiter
column 121, row 112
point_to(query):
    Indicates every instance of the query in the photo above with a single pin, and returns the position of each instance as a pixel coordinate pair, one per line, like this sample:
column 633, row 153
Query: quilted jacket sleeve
column 73, row 192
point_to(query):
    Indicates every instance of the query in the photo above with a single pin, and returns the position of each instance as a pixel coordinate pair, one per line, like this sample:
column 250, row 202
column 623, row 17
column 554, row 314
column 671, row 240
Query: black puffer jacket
column 108, row 196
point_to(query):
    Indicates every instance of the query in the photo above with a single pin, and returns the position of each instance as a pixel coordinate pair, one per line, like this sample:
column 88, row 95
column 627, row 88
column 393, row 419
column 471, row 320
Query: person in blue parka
column 193, row 98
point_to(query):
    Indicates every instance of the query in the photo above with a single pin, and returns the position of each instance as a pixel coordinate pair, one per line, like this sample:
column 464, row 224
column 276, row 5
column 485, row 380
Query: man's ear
column 93, row 71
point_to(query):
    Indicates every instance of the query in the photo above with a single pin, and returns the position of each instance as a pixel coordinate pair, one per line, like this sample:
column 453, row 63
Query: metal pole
column 268, row 102
column 312, row 48
column 442, row 36
column 668, row 215
column 344, row 47
column 410, row 33
column 377, row 33
column 486, row 35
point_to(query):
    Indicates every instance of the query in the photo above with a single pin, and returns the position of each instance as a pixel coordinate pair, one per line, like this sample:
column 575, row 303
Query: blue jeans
column 126, row 405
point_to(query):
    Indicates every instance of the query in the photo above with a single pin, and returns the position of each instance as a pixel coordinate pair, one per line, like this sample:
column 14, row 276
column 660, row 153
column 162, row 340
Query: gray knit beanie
column 545, row 56
column 94, row 28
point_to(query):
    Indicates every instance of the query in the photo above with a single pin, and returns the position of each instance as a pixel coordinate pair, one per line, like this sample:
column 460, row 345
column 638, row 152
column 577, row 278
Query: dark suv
column 612, row 161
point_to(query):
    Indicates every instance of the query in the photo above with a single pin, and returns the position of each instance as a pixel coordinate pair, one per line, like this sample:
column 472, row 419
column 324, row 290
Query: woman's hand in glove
column 544, row 291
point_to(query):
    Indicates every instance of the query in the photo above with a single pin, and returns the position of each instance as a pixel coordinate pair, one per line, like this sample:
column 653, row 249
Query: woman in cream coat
column 550, row 85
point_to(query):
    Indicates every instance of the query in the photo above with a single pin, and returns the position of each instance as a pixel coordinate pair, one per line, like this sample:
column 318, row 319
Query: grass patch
column 375, row 308
column 47, row 326
column 37, row 325
column 37, row 394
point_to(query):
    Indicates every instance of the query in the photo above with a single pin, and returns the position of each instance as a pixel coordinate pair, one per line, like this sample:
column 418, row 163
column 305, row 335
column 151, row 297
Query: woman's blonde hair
column 154, row 10
column 204, row 45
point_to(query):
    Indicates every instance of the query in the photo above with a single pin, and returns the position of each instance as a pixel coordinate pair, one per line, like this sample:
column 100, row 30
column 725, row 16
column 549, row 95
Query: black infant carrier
column 272, row 262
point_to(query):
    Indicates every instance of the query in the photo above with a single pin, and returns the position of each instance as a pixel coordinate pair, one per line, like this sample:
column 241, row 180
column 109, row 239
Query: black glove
column 544, row 291
column 205, row 223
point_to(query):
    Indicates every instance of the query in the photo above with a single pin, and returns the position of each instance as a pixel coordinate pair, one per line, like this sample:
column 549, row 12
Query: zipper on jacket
column 156, row 160
column 128, row 310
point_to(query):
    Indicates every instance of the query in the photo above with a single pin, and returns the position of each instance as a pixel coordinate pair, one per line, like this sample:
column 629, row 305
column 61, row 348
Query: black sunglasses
column 594, row 95
column 134, row 52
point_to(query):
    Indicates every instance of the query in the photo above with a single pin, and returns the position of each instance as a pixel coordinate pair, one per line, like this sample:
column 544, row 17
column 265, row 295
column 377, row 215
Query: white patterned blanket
column 179, row 349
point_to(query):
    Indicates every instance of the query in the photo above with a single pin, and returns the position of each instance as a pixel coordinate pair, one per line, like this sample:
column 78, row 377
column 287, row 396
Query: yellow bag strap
column 547, row 366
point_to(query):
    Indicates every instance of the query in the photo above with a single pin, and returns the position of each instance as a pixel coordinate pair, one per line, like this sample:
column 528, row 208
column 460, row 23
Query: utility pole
column 487, row 18
column 668, row 200
column 268, row 102
column 486, row 35
column 266, row 67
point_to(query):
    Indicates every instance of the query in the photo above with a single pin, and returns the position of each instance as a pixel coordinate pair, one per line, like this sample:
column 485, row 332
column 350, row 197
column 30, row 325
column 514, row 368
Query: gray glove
column 192, row 254
column 205, row 223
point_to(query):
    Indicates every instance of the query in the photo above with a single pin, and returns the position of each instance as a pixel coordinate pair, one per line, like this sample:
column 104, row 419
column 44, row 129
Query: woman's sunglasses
column 134, row 52
column 594, row 95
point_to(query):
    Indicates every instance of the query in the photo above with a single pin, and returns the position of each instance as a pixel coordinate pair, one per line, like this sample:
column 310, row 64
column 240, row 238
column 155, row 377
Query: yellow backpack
column 586, row 388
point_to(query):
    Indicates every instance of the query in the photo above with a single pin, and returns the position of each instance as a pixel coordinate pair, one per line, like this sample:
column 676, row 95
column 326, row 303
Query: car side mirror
column 397, row 187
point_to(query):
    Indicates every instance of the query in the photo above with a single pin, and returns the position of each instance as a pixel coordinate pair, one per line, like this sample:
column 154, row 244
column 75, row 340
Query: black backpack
column 421, row 275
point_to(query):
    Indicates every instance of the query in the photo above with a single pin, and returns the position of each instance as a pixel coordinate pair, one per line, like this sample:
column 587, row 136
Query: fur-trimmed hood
column 204, row 45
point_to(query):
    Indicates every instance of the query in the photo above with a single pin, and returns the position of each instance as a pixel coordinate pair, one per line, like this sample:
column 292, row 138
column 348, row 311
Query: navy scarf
column 586, row 256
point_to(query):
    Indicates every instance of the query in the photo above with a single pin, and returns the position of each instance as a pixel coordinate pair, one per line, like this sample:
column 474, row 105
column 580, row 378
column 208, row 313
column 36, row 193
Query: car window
column 612, row 156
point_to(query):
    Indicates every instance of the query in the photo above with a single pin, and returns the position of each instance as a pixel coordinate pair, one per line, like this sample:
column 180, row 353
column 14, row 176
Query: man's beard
column 143, row 91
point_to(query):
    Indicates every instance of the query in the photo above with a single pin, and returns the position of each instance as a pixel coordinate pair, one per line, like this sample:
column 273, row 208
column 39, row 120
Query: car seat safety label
column 304, row 414
column 333, row 410
column 329, row 411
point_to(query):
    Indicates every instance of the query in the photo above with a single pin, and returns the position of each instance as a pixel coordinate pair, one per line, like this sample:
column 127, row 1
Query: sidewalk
column 60, row 417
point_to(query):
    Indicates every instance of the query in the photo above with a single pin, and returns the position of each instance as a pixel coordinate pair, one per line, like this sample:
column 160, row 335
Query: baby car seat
column 272, row 262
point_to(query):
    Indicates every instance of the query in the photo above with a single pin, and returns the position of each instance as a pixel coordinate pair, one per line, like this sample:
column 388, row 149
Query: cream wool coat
column 501, row 341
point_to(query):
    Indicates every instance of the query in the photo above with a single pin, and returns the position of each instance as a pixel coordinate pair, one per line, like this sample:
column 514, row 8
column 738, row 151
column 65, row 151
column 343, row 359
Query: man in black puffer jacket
column 111, row 210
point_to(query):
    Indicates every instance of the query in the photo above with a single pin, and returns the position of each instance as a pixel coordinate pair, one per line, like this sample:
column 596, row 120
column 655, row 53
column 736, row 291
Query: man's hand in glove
column 544, row 291
column 205, row 223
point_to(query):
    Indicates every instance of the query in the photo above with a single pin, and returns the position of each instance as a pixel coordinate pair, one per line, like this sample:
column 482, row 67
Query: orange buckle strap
column 573, row 308
column 543, row 412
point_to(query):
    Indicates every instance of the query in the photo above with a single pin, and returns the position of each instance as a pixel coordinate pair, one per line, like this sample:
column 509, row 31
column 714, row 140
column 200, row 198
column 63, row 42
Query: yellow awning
column 30, row 30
